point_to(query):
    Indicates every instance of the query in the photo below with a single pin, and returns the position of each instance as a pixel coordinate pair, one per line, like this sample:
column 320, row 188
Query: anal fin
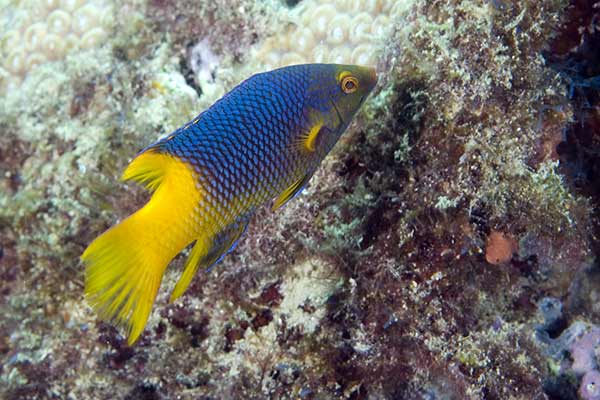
column 208, row 252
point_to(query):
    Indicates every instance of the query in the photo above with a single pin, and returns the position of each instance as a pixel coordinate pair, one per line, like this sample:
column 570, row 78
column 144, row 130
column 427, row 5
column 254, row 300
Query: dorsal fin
column 148, row 168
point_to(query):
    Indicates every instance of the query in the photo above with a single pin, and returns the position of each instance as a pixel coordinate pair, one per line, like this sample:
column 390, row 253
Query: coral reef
column 447, row 248
column 583, row 352
column 499, row 248
column 343, row 32
column 37, row 32
column 590, row 386
column 574, row 357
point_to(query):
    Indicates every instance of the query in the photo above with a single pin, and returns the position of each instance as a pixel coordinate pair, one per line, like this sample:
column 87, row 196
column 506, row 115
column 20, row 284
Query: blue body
column 244, row 146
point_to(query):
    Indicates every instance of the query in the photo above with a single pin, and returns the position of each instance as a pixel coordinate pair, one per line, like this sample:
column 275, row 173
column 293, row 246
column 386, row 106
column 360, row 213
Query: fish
column 259, row 144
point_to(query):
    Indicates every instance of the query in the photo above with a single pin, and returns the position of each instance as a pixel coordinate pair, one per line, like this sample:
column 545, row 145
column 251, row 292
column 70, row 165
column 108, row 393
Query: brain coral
column 342, row 31
column 36, row 32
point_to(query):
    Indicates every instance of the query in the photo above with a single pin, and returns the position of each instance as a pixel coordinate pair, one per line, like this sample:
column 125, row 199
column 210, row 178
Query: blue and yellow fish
column 261, row 142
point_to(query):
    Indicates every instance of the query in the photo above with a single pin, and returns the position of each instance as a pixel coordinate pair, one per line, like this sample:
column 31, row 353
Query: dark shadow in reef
column 575, row 55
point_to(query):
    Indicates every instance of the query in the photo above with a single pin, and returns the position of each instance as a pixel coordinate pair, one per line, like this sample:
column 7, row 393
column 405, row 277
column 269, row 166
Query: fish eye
column 349, row 84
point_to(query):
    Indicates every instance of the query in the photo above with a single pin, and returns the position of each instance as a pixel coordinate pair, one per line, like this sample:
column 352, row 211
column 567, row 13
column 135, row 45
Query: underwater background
column 447, row 248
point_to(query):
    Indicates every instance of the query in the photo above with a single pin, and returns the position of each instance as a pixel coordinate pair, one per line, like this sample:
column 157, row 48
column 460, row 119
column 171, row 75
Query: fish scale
column 260, row 143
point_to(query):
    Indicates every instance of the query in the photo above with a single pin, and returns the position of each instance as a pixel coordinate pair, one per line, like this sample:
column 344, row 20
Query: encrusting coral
column 341, row 31
column 590, row 386
column 374, row 282
column 35, row 32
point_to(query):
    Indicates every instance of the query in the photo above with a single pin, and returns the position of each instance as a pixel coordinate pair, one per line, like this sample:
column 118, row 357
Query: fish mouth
column 371, row 77
column 372, row 73
column 368, row 75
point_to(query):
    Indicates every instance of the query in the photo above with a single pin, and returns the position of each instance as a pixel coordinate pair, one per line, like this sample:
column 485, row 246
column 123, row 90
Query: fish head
column 336, row 92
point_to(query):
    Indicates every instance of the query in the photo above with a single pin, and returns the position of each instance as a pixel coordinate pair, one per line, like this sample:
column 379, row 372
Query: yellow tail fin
column 125, row 265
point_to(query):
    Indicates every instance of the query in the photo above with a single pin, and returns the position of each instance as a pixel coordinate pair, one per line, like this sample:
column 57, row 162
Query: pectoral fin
column 307, row 141
column 310, row 139
column 291, row 191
